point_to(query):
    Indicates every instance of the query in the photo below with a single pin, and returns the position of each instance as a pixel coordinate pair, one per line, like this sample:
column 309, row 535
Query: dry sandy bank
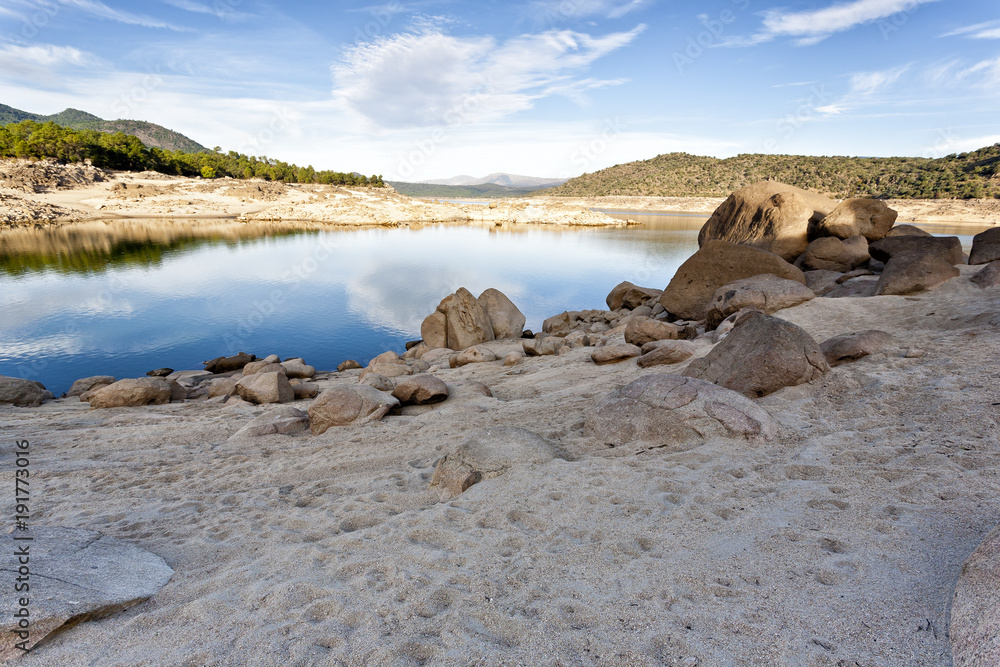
column 837, row 543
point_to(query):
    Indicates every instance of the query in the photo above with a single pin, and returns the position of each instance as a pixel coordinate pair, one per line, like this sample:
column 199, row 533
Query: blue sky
column 434, row 88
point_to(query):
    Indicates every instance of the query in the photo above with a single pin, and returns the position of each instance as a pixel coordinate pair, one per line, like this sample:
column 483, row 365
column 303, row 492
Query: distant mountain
column 482, row 191
column 151, row 134
column 500, row 178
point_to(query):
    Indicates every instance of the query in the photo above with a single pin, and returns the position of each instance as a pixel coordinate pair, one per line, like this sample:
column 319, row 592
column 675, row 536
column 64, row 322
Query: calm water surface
column 123, row 303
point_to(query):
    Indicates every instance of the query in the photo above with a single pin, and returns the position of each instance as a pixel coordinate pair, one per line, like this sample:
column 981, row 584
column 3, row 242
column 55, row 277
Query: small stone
column 348, row 365
column 160, row 372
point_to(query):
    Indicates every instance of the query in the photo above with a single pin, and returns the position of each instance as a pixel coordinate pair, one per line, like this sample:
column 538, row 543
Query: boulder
column 666, row 352
column 473, row 355
column 715, row 264
column 178, row 392
column 914, row 271
column 513, row 359
column 131, row 393
column 869, row 218
column 612, row 354
column 505, row 318
column 297, row 368
column 821, row 282
column 728, row 324
column 488, row 453
column 546, row 345
column 160, row 372
column 767, row 293
column 948, row 248
column 975, row 607
column 86, row 384
column 263, row 366
column 761, row 355
column 284, row 420
column 265, row 388
column 830, row 253
column 420, row 390
column 907, row 230
column 676, row 413
column 858, row 287
column 389, row 370
column 853, row 346
column 557, row 323
column 769, row 215
column 642, row 330
column 349, row 404
column 21, row 392
column 226, row 364
column 629, row 296
column 222, row 387
column 434, row 330
column 77, row 575
column 985, row 247
column 988, row 276
column 465, row 322
column 304, row 390
column 380, row 382
column 348, row 365
column 438, row 355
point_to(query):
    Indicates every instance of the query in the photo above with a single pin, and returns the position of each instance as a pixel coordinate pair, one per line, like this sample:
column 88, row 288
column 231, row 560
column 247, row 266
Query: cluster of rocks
column 33, row 176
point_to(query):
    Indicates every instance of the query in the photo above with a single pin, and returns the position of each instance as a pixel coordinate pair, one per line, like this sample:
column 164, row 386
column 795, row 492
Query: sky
column 425, row 89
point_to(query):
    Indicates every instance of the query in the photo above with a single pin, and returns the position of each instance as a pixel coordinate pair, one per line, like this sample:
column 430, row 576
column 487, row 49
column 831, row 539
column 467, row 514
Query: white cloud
column 866, row 88
column 987, row 30
column 948, row 143
column 812, row 27
column 40, row 60
column 550, row 11
column 427, row 78
column 218, row 9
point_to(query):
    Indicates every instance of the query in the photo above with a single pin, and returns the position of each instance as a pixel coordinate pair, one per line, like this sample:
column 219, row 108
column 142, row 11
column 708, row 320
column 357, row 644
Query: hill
column 501, row 178
column 150, row 134
column 962, row 176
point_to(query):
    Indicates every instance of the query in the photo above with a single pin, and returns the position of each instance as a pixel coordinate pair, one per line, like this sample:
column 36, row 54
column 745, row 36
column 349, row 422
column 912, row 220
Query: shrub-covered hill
column 964, row 175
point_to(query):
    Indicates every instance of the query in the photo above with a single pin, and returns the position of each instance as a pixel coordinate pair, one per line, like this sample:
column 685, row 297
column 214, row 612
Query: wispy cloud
column 987, row 30
column 15, row 58
column 218, row 9
column 427, row 77
column 865, row 89
column 100, row 10
column 576, row 9
column 812, row 27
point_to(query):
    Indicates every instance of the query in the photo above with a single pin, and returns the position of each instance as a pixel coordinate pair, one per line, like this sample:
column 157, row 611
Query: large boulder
column 298, row 368
column 676, row 412
column 263, row 366
column 761, row 355
column 853, row 346
column 985, row 247
column 642, row 330
column 21, row 392
column 690, row 292
column 488, row 453
column 507, row 321
column 226, row 364
column 420, row 389
column 131, row 392
column 948, row 248
column 464, row 321
column 265, row 387
column 663, row 352
column 908, row 230
column 766, row 292
column 830, row 253
column 769, row 215
column 870, row 218
column 83, row 385
column 77, row 575
column 612, row 354
column 975, row 608
column 349, row 404
column 627, row 295
column 988, row 276
column 914, row 271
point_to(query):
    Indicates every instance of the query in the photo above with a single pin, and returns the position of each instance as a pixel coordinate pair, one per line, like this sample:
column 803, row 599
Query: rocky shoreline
column 784, row 456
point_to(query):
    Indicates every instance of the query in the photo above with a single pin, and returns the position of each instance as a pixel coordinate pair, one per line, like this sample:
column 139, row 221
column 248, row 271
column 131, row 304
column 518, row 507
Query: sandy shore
column 837, row 543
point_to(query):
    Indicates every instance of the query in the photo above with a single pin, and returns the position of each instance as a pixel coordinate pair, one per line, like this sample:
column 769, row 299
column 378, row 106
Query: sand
column 837, row 543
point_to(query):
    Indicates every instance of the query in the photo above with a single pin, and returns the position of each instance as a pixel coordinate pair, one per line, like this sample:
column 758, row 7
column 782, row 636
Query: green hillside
column 965, row 175
column 151, row 134
column 484, row 191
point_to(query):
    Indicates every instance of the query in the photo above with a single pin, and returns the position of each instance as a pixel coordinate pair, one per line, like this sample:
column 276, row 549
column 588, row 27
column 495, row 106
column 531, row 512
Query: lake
column 122, row 298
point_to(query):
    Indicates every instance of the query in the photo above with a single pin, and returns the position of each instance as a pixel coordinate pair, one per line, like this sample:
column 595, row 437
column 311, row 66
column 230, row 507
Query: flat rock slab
column 75, row 575
column 975, row 609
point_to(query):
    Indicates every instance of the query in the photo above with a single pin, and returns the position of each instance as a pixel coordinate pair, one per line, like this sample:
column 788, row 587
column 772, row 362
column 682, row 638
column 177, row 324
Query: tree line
column 125, row 152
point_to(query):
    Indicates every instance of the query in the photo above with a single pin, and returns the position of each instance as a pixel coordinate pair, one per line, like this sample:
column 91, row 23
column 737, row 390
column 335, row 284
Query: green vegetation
column 32, row 140
column 484, row 191
column 960, row 176
column 151, row 134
